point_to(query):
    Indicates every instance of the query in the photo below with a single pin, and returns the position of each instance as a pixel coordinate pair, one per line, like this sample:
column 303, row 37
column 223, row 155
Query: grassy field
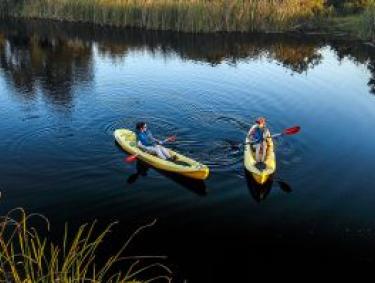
column 198, row 16
column 177, row 15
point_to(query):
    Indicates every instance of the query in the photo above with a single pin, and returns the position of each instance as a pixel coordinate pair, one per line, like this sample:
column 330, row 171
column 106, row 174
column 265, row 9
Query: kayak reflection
column 261, row 192
column 196, row 186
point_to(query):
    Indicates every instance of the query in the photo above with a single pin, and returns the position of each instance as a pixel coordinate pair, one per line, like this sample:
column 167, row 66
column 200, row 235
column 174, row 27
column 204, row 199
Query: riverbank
column 202, row 16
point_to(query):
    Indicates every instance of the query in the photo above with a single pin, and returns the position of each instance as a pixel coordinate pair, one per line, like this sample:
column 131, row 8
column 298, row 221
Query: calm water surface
column 65, row 88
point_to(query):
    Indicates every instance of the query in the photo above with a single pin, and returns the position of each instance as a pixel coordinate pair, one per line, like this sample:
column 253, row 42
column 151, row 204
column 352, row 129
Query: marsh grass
column 177, row 15
column 26, row 256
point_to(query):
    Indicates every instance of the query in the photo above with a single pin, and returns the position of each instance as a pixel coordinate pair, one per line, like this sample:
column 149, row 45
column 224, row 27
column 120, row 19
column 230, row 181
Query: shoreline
column 205, row 17
column 327, row 33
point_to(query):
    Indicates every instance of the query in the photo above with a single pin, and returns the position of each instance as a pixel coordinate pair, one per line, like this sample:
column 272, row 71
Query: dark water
column 65, row 88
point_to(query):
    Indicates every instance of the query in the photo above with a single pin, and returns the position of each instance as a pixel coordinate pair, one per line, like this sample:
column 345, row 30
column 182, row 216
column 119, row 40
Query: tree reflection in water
column 52, row 65
column 55, row 58
column 359, row 53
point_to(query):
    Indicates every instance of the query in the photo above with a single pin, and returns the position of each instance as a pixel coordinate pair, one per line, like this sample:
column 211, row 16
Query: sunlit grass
column 178, row 15
column 198, row 16
column 26, row 256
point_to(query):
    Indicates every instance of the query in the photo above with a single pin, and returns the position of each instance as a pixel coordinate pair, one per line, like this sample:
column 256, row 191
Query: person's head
column 141, row 126
column 261, row 121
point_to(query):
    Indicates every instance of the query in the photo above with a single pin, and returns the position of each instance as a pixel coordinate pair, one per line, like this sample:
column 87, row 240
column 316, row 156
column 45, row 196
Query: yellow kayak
column 183, row 166
column 260, row 176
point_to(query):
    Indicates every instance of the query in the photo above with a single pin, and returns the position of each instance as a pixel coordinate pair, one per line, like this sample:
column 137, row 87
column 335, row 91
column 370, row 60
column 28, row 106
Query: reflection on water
column 261, row 192
column 258, row 192
column 196, row 186
column 51, row 65
column 36, row 55
column 361, row 54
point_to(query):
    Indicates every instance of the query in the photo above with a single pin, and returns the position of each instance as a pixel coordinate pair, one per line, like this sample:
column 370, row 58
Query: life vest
column 258, row 135
column 145, row 138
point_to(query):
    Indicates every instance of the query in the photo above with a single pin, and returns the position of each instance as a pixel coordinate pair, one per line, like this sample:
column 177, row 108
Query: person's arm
column 251, row 133
column 154, row 139
column 141, row 146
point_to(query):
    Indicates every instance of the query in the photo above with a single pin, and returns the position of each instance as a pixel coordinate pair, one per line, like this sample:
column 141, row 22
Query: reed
column 178, row 15
column 26, row 256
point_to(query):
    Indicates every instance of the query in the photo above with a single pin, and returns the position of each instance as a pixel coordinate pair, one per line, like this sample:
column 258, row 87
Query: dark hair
column 140, row 125
column 260, row 119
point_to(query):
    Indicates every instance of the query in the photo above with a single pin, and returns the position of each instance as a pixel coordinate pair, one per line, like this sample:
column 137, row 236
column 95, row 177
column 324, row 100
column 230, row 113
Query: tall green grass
column 27, row 257
column 177, row 15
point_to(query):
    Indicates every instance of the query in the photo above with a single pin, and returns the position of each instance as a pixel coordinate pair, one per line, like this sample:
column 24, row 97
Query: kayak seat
column 260, row 166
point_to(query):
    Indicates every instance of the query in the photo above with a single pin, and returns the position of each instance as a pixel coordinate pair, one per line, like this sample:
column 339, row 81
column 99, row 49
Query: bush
column 349, row 6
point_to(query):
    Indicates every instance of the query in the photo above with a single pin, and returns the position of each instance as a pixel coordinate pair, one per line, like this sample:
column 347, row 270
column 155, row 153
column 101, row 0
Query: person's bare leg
column 156, row 151
column 151, row 150
column 165, row 152
column 257, row 153
column 264, row 151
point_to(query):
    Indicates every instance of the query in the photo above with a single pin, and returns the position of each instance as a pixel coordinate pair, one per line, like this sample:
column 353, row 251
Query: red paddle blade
column 130, row 158
column 292, row 131
column 171, row 138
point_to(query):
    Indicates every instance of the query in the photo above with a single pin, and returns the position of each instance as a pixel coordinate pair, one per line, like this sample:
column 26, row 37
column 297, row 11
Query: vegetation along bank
column 355, row 17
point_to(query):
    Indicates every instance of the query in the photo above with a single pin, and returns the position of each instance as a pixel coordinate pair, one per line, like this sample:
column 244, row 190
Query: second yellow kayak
column 185, row 166
column 260, row 176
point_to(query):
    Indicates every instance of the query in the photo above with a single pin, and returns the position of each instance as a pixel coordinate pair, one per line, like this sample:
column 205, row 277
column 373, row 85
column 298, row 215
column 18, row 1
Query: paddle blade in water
column 171, row 138
column 284, row 187
column 131, row 158
column 292, row 131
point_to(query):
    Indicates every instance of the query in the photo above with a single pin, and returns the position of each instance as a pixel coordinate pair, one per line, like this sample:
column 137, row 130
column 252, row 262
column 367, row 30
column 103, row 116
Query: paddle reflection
column 196, row 186
column 261, row 192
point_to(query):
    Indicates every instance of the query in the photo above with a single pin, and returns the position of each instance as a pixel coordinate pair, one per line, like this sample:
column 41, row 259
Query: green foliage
column 350, row 6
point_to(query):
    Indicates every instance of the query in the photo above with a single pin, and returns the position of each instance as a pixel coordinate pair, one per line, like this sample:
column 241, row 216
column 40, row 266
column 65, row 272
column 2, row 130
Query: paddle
column 287, row 132
column 132, row 158
column 284, row 186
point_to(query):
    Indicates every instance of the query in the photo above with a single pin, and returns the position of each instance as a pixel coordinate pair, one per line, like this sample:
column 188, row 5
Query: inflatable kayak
column 260, row 176
column 183, row 165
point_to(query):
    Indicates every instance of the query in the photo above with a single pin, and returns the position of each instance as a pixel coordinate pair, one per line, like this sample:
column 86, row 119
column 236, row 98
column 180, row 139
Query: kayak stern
column 261, row 179
column 198, row 175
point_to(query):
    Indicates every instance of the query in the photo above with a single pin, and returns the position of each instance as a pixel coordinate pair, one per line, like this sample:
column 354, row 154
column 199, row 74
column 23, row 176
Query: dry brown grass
column 177, row 15
column 26, row 256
